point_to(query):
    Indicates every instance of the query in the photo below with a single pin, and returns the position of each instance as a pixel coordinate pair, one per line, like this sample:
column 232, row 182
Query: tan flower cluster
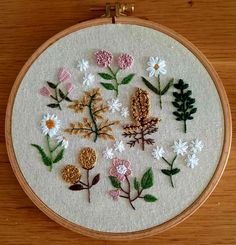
column 70, row 174
column 87, row 158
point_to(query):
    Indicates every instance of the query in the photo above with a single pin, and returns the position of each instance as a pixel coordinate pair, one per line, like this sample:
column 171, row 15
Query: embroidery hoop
column 177, row 219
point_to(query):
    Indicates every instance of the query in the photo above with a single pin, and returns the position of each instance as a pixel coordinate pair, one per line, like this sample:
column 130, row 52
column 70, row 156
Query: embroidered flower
column 196, row 145
column 45, row 91
column 50, row 125
column 119, row 146
column 63, row 141
column 103, row 58
column 180, row 148
column 115, row 194
column 114, row 105
column 83, row 65
column 120, row 168
column 70, row 174
column 87, row 158
column 70, row 87
column 108, row 153
column 63, row 75
column 156, row 66
column 124, row 112
column 158, row 152
column 192, row 161
column 88, row 79
column 125, row 61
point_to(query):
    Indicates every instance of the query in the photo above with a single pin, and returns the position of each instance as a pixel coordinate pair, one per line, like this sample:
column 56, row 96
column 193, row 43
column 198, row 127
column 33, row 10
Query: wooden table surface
column 26, row 24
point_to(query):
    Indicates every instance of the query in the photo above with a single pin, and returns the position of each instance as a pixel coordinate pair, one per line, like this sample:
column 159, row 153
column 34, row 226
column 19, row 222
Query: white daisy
column 124, row 112
column 192, row 161
column 114, row 105
column 83, row 65
column 158, row 152
column 50, row 125
column 108, row 153
column 88, row 79
column 180, row 148
column 156, row 66
column 196, row 145
column 119, row 146
column 64, row 142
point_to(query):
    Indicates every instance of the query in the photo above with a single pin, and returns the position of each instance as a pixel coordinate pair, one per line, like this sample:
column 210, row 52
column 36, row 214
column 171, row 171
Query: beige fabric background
column 103, row 214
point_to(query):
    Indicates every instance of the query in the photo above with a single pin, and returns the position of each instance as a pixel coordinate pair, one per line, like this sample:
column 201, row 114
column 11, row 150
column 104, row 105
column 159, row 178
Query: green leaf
column 149, row 198
column 194, row 110
column 147, row 179
column 108, row 86
column 52, row 85
column 150, row 86
column 166, row 88
column 53, row 105
column 127, row 79
column 59, row 156
column 174, row 171
column 136, row 184
column 46, row 160
column 166, row 172
column 106, row 76
column 68, row 99
column 62, row 95
column 115, row 182
column 175, row 104
column 178, row 115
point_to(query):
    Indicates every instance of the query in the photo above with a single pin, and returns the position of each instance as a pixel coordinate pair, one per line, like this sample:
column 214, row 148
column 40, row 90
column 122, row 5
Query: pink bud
column 45, row 91
column 115, row 194
column 125, row 61
column 63, row 75
column 70, row 87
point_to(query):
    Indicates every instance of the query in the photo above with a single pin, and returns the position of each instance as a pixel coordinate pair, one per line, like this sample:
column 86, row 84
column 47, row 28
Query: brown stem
column 129, row 192
column 142, row 138
column 88, row 185
column 138, row 196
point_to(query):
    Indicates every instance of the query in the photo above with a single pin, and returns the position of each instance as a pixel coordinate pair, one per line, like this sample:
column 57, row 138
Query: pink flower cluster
column 125, row 61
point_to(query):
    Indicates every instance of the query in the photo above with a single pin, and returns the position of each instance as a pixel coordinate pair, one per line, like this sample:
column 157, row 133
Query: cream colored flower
column 64, row 142
column 156, row 66
column 50, row 125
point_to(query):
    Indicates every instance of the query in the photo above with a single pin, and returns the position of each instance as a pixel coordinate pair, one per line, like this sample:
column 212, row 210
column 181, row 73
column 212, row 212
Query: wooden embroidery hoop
column 177, row 219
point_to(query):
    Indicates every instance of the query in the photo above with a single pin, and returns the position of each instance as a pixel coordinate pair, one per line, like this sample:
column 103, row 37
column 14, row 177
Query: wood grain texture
column 25, row 25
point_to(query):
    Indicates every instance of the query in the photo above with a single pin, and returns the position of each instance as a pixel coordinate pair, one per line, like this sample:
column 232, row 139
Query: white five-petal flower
column 88, row 79
column 180, row 148
column 114, row 105
column 50, row 125
column 196, row 145
column 192, row 161
column 156, row 66
column 108, row 153
column 124, row 112
column 158, row 152
column 119, row 146
column 83, row 65
column 64, row 142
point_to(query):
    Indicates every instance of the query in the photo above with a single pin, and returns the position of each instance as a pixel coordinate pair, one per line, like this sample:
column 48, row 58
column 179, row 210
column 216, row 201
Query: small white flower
column 192, row 161
column 83, row 65
column 50, row 125
column 180, row 148
column 158, row 152
column 196, row 145
column 124, row 112
column 64, row 142
column 88, row 79
column 114, row 105
column 108, row 153
column 119, row 146
column 156, row 66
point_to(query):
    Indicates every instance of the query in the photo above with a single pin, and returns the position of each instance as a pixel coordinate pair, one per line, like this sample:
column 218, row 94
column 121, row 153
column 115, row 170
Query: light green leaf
column 59, row 156
column 150, row 198
column 136, row 184
column 147, row 179
column 127, row 79
column 46, row 160
column 106, row 76
column 108, row 86
column 115, row 182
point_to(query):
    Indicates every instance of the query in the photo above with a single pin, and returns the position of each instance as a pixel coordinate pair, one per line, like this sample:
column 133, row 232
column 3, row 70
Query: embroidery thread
column 184, row 103
column 92, row 127
column 71, row 174
column 119, row 173
column 143, row 124
column 125, row 61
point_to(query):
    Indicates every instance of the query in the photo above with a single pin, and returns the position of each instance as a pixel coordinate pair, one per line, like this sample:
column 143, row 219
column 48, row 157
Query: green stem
column 115, row 79
column 159, row 88
column 184, row 110
column 95, row 130
column 50, row 151
column 57, row 146
column 56, row 93
column 171, row 167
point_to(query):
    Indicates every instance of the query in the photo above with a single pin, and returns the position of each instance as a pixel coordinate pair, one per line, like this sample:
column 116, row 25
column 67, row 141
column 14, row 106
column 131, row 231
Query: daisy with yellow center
column 50, row 125
column 156, row 66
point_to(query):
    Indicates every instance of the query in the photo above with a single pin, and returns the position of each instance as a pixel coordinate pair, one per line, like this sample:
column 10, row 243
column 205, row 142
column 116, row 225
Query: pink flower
column 115, row 194
column 125, row 61
column 63, row 75
column 120, row 168
column 103, row 58
column 45, row 91
column 70, row 87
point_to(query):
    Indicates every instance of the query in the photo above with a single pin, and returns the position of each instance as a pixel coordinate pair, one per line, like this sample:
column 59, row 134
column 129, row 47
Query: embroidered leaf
column 106, row 76
column 147, row 179
column 62, row 95
column 108, row 86
column 136, row 184
column 46, row 160
column 127, row 79
column 76, row 187
column 96, row 179
column 68, row 99
column 150, row 86
column 115, row 182
column 51, row 85
column 168, row 85
column 149, row 198
column 53, row 105
column 174, row 171
column 166, row 172
column 59, row 156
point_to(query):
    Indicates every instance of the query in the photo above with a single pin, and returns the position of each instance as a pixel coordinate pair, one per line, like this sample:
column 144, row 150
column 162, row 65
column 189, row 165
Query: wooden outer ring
column 168, row 224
